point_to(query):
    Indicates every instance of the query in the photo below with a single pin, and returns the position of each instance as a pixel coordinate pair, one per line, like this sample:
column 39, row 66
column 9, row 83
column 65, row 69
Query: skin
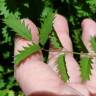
column 35, row 77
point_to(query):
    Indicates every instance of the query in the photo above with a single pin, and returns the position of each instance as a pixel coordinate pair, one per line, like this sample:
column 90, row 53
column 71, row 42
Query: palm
column 34, row 75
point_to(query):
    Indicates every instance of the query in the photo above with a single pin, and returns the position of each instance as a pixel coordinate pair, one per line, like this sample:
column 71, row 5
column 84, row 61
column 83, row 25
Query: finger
column 61, row 28
column 89, row 30
column 88, row 27
column 32, row 74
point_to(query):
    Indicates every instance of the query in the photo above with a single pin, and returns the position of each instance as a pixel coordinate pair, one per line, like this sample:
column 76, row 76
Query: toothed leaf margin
column 25, row 53
column 61, row 67
column 85, row 67
column 18, row 27
column 93, row 43
column 46, row 28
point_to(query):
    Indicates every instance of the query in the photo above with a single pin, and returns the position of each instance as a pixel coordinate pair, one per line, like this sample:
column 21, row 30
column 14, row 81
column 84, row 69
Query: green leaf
column 10, row 83
column 93, row 43
column 25, row 53
column 62, row 70
column 1, row 69
column 3, row 92
column 55, row 41
column 7, row 38
column 78, row 44
column 11, row 93
column 6, row 54
column 2, row 83
column 46, row 28
column 85, row 67
column 3, row 8
column 16, row 25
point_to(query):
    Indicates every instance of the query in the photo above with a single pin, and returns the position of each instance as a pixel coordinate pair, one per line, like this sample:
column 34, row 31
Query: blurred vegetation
column 74, row 10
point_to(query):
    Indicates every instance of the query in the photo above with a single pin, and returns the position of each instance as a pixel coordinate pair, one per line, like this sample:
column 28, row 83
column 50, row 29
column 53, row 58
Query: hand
column 34, row 76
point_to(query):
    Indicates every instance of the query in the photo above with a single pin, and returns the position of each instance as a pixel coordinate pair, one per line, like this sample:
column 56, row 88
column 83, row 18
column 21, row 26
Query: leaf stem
column 90, row 55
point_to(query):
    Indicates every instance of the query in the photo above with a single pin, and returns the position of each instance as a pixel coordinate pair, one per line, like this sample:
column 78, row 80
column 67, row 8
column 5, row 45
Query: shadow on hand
column 47, row 94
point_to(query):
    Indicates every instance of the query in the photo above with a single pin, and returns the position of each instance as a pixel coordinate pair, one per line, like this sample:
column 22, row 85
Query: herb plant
column 11, row 11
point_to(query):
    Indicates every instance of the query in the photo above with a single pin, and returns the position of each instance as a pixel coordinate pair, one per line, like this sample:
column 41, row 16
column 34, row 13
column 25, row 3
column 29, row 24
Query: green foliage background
column 74, row 10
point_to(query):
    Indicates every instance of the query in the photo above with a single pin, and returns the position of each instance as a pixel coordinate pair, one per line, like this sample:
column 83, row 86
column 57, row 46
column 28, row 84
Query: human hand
column 34, row 76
